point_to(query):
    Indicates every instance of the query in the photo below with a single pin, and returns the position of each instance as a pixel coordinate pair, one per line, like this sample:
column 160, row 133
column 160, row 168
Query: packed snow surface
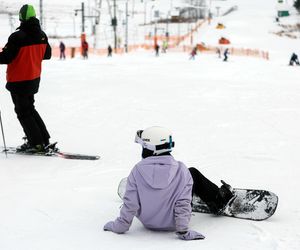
column 237, row 120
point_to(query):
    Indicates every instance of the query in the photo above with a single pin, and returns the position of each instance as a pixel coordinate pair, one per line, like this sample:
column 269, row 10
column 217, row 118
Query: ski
column 51, row 153
column 77, row 156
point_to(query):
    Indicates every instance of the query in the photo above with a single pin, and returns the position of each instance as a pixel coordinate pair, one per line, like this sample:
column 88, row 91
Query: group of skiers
column 163, row 49
column 84, row 49
column 219, row 52
column 225, row 54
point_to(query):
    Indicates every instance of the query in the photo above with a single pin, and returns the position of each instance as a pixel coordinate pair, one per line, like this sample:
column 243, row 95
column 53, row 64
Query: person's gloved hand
column 115, row 227
column 190, row 235
column 108, row 226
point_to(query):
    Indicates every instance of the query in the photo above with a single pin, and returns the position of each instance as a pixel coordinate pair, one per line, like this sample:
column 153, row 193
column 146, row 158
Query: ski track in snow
column 265, row 237
column 78, row 197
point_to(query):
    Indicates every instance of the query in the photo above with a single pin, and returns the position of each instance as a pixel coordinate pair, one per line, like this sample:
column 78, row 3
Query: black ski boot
column 24, row 146
column 226, row 191
column 36, row 149
column 222, row 198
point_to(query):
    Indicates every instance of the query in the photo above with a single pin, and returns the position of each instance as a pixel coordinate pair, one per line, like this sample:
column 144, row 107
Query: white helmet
column 157, row 139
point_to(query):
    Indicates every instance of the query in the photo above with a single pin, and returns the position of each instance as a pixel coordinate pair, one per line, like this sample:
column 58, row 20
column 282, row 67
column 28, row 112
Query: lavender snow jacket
column 158, row 193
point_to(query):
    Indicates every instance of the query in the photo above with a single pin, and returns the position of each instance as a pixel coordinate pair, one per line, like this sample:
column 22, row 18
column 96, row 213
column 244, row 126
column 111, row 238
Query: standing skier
column 159, row 189
column 219, row 52
column 62, row 48
column 109, row 51
column 164, row 46
column 226, row 52
column 85, row 49
column 193, row 53
column 23, row 54
column 156, row 47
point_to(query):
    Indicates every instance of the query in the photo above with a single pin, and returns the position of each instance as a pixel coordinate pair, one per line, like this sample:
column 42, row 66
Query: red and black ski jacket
column 23, row 54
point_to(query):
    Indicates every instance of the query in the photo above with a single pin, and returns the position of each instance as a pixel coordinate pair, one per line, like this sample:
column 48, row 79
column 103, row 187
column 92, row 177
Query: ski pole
column 5, row 149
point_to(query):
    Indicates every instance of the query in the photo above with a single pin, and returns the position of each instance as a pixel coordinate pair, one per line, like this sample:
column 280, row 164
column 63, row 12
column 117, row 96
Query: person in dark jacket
column 62, row 48
column 294, row 59
column 226, row 52
column 23, row 54
column 219, row 52
column 109, row 51
column 193, row 53
column 157, row 47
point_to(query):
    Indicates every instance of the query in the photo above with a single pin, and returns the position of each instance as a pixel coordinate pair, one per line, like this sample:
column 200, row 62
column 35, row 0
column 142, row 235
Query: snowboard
column 250, row 204
column 51, row 153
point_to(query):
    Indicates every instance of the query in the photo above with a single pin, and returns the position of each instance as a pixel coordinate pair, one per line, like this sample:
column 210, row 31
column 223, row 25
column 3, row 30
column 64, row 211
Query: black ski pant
column 62, row 55
column 203, row 187
column 30, row 120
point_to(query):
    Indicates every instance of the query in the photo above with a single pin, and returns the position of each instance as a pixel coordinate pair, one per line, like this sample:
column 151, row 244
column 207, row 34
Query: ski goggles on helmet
column 138, row 139
column 145, row 143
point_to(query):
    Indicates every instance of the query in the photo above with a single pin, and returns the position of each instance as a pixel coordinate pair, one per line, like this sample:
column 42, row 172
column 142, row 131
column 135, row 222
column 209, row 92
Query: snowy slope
column 238, row 121
column 252, row 26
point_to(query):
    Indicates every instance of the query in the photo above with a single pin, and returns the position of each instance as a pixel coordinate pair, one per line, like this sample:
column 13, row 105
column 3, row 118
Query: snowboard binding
column 223, row 197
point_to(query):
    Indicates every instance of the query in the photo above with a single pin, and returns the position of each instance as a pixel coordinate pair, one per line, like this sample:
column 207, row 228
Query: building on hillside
column 189, row 10
column 192, row 14
column 282, row 9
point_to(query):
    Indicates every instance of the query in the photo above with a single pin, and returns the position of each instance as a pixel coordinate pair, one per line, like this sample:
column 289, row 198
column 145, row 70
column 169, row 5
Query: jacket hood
column 158, row 171
column 31, row 26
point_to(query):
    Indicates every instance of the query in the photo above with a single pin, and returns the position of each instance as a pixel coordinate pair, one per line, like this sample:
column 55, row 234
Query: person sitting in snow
column 294, row 59
column 159, row 189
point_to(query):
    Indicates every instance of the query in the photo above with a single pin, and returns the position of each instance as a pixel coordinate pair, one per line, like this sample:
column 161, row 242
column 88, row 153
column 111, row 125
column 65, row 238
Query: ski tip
column 77, row 156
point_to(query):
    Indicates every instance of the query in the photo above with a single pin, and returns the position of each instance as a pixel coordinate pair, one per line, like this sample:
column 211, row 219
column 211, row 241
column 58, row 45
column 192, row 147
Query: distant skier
column 164, row 47
column 156, row 47
column 109, row 51
column 62, row 49
column 294, row 59
column 23, row 54
column 159, row 189
column 219, row 52
column 85, row 49
column 226, row 52
column 193, row 53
